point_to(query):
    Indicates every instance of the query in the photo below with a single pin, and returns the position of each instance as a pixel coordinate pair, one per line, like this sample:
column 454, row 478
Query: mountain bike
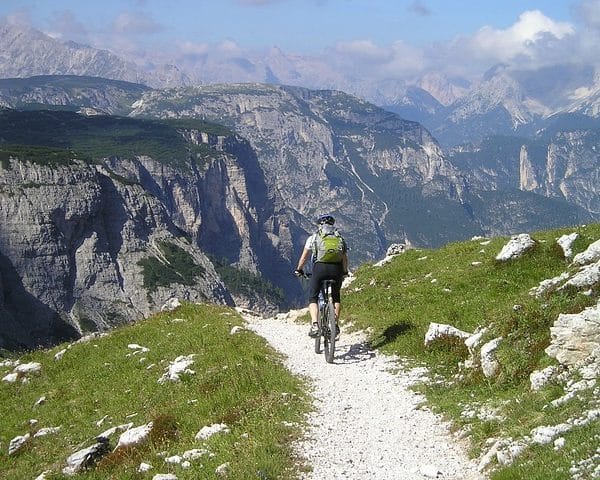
column 326, row 322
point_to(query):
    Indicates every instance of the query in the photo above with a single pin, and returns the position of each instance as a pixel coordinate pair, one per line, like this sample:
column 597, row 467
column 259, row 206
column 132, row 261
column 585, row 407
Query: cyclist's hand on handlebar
column 299, row 272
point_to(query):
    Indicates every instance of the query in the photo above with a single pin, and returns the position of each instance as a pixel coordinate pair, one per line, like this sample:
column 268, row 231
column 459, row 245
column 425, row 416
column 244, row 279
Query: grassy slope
column 399, row 300
column 238, row 381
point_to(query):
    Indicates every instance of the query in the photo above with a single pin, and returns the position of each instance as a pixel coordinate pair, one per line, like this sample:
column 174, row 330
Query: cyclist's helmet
column 328, row 219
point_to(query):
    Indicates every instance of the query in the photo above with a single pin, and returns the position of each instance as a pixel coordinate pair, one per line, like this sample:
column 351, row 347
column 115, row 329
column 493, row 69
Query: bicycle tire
column 318, row 337
column 329, row 332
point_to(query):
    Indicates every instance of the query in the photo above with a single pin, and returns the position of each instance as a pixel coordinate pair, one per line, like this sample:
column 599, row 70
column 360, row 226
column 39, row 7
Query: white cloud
column 363, row 51
column 519, row 39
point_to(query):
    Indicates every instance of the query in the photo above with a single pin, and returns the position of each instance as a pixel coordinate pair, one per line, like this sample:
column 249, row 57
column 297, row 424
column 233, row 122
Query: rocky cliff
column 87, row 246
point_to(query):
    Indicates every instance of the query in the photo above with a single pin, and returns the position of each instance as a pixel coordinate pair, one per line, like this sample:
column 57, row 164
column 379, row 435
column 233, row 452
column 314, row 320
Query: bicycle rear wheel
column 318, row 337
column 329, row 331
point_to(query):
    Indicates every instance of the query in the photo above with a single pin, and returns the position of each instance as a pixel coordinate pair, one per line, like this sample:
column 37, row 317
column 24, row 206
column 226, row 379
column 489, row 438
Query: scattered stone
column 236, row 329
column 17, row 443
column 516, row 247
column 588, row 276
column 59, row 355
column 566, row 243
column 174, row 459
column 42, row 476
column 473, row 341
column 591, row 254
column 10, row 378
column 42, row 432
column 195, row 453
column 164, row 476
column 31, row 367
column 144, row 467
column 438, row 331
column 546, row 285
column 222, row 470
column 489, row 363
column 539, row 378
column 86, row 458
column 559, row 443
column 138, row 348
column 111, row 431
column 177, row 367
column 209, row 431
column 135, row 436
column 171, row 304
column 40, row 401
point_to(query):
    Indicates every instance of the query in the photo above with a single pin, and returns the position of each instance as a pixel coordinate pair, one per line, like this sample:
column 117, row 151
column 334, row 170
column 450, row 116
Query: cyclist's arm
column 303, row 258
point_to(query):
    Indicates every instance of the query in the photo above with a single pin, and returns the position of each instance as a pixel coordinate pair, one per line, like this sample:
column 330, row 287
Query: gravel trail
column 367, row 424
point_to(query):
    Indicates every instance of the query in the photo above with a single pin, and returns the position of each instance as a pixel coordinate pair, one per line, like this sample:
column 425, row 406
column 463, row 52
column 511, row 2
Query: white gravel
column 367, row 424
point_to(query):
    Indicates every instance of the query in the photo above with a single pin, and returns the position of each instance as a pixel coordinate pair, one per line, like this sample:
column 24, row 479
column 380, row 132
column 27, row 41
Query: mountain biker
column 323, row 270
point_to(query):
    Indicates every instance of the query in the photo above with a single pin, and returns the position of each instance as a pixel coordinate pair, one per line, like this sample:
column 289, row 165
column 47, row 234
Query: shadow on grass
column 390, row 334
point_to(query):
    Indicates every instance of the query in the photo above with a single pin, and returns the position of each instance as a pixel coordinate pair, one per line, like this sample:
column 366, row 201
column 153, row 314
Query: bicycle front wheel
column 329, row 332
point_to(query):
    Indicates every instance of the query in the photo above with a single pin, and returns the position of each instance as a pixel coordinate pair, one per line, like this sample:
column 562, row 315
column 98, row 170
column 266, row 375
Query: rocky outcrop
column 73, row 242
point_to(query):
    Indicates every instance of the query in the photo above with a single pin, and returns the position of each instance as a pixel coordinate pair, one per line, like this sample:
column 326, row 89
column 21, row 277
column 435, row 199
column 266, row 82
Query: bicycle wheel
column 318, row 337
column 329, row 332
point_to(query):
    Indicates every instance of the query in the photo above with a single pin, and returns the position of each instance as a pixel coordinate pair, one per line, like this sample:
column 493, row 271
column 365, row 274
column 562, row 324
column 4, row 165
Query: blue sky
column 410, row 35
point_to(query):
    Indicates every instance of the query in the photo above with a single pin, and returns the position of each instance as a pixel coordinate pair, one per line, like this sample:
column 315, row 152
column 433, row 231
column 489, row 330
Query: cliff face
column 87, row 247
column 324, row 151
column 568, row 169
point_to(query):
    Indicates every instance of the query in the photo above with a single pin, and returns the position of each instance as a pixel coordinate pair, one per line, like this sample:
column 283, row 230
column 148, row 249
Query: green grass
column 238, row 381
column 398, row 301
column 176, row 266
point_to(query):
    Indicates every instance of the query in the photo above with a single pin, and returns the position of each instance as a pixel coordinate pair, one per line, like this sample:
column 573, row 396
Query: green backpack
column 328, row 246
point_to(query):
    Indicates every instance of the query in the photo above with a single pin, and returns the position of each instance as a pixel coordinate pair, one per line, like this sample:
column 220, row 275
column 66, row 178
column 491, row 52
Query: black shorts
column 325, row 271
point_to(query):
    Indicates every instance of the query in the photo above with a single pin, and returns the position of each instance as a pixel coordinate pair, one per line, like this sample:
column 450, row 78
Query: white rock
column 164, row 476
column 177, row 367
column 31, row 367
column 516, row 247
column 539, row 378
column 10, row 378
column 489, row 363
column 559, row 443
column 17, row 443
column 185, row 464
column 46, row 431
column 236, row 329
column 210, row 430
column 591, row 254
column 135, row 436
column 222, row 470
column 42, row 476
column 473, row 341
column 195, row 453
column 111, row 431
column 566, row 243
column 437, row 331
column 60, row 354
column 171, row 304
column 138, row 348
column 175, row 459
column 144, row 467
column 546, row 285
column 40, row 401
column 545, row 434
column 588, row 276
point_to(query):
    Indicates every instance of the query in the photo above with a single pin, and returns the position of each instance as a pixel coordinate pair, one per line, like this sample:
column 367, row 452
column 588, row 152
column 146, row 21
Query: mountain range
column 118, row 196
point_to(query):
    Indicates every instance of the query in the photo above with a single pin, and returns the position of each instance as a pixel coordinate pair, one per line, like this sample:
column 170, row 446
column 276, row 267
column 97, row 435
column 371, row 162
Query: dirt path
column 366, row 419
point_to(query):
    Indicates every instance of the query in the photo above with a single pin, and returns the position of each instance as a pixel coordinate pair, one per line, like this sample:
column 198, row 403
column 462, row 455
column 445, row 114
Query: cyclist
column 324, row 268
